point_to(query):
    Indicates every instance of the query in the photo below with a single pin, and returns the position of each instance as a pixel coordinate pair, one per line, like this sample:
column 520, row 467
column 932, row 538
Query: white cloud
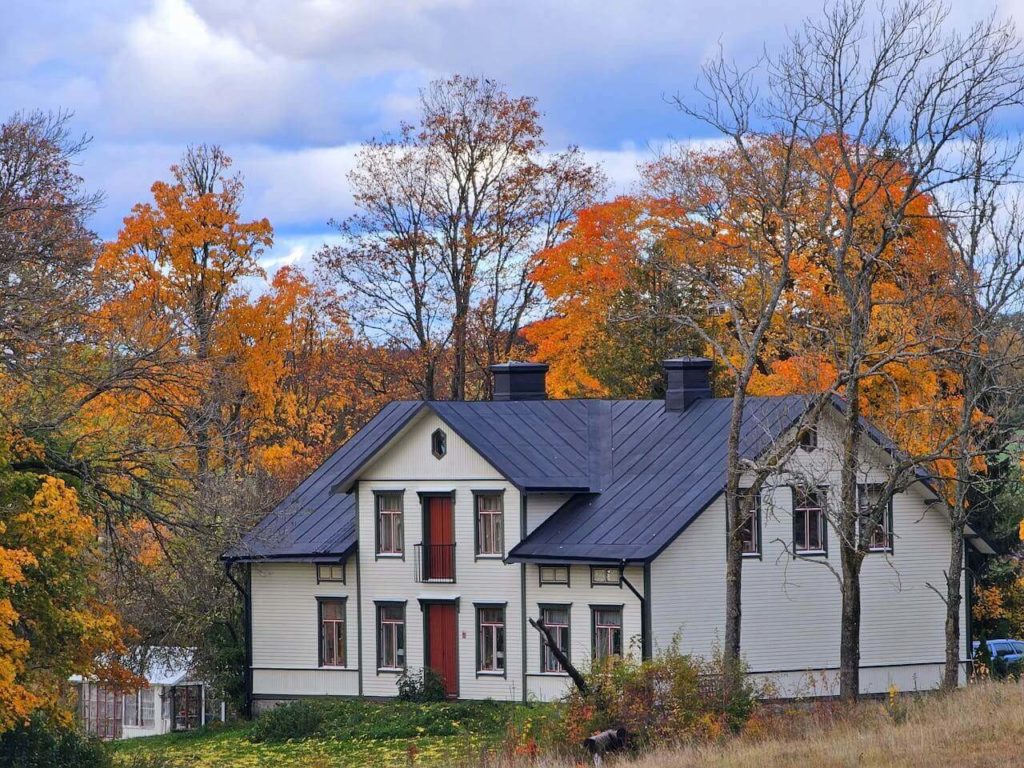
column 175, row 72
column 291, row 87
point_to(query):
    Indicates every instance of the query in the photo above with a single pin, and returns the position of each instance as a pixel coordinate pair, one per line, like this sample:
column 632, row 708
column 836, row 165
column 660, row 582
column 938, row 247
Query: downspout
column 245, row 592
column 645, row 626
column 522, row 590
column 968, row 622
column 359, row 601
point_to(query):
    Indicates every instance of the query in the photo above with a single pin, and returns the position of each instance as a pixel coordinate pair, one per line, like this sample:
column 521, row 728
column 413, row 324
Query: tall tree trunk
column 853, row 536
column 459, row 339
column 849, row 632
column 734, row 515
column 954, row 599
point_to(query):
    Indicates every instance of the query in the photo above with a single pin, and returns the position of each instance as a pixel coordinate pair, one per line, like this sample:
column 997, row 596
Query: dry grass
column 978, row 727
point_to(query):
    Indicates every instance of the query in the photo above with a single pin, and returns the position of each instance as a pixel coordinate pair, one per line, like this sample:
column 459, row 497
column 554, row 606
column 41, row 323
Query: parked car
column 1010, row 651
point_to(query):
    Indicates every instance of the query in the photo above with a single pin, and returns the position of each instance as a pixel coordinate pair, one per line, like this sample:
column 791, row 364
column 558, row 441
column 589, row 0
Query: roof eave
column 292, row 557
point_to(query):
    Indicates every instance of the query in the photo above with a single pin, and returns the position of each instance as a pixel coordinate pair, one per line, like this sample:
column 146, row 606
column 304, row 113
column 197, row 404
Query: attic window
column 809, row 438
column 439, row 443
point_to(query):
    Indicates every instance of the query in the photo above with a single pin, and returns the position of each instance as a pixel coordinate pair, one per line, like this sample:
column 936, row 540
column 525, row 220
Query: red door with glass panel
column 440, row 565
column 443, row 645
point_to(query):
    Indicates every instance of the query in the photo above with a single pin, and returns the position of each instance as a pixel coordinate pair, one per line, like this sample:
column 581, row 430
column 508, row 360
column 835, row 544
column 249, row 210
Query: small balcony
column 435, row 563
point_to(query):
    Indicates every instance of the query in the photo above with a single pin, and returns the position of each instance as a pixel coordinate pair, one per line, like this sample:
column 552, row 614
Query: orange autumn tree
column 52, row 622
column 613, row 297
column 692, row 210
column 258, row 382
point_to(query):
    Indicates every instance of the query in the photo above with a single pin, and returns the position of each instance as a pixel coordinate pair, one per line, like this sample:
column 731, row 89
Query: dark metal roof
column 667, row 467
column 552, row 445
column 313, row 520
column 639, row 474
column 539, row 445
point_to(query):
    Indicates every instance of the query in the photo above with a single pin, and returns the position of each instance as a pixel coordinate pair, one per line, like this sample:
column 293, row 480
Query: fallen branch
column 551, row 643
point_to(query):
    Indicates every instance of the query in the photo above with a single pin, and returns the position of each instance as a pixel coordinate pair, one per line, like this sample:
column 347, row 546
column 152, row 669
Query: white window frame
column 147, row 704
column 131, row 699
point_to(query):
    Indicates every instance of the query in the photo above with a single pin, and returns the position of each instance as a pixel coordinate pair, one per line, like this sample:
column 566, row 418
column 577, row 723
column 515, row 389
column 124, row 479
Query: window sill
column 752, row 555
column 810, row 553
column 334, row 668
column 390, row 555
column 390, row 671
column 489, row 673
column 880, row 550
column 489, row 556
column 551, row 674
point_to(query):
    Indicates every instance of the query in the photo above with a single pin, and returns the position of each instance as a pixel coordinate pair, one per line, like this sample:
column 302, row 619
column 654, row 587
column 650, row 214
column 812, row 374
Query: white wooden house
column 174, row 699
column 433, row 535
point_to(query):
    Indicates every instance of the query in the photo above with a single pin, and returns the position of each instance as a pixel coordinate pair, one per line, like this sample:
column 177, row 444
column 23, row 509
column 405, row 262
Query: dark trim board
column 320, row 600
column 476, row 493
column 568, row 639
column 377, row 493
column 477, row 606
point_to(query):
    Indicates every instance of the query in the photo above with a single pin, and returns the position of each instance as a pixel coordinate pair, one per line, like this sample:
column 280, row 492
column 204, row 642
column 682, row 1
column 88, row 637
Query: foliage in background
column 51, row 623
column 43, row 742
column 450, row 214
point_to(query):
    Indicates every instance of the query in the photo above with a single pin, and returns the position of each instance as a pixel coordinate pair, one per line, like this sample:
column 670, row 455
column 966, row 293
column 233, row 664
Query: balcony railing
column 435, row 563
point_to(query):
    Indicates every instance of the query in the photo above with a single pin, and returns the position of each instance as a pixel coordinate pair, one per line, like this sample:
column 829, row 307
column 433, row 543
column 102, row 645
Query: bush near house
column 670, row 699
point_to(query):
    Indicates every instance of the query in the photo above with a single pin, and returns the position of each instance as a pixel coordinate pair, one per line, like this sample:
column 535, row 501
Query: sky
column 290, row 88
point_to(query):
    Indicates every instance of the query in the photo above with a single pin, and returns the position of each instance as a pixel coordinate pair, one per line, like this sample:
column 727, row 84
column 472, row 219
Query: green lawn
column 231, row 747
column 348, row 734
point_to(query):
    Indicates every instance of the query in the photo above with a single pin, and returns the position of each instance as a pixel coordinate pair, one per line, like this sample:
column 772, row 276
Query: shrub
column 670, row 699
column 44, row 743
column 291, row 721
column 420, row 685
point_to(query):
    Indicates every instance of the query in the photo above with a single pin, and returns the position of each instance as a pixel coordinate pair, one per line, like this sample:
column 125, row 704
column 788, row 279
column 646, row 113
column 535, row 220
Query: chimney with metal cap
column 687, row 380
column 519, row 381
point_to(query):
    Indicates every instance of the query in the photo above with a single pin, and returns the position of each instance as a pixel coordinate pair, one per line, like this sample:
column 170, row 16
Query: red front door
column 443, row 645
column 440, row 539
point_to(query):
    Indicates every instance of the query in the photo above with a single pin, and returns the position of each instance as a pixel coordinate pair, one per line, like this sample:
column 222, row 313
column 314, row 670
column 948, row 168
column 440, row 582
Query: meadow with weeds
column 981, row 726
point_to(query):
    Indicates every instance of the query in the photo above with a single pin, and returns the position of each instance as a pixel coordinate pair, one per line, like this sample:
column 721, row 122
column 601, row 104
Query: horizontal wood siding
column 541, row 507
column 580, row 595
column 688, row 586
column 409, row 456
column 305, row 682
column 286, row 621
column 409, row 465
column 791, row 606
